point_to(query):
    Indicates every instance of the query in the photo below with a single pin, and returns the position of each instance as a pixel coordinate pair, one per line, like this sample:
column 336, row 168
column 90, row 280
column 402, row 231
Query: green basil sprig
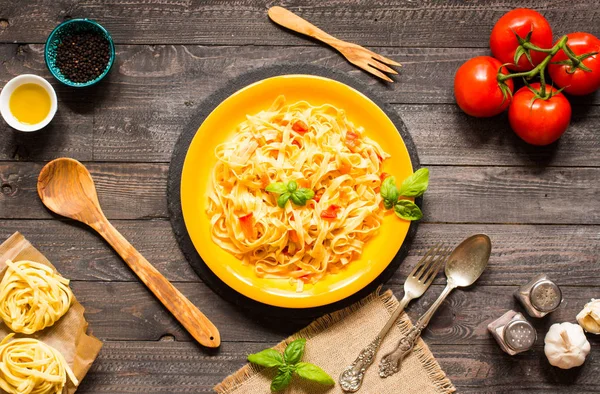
column 413, row 186
column 288, row 364
column 289, row 191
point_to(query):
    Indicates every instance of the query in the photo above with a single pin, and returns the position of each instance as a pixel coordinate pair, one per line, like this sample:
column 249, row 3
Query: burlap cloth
column 334, row 341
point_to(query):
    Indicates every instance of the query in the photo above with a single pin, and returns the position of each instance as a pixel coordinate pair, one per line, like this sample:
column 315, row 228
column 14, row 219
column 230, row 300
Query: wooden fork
column 355, row 54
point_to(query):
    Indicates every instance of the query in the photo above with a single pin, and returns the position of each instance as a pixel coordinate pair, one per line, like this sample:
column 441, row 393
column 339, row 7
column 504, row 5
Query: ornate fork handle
column 352, row 377
column 390, row 363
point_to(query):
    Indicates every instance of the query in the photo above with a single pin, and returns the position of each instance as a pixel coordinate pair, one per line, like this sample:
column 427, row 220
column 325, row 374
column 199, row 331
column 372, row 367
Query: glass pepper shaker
column 539, row 296
column 513, row 332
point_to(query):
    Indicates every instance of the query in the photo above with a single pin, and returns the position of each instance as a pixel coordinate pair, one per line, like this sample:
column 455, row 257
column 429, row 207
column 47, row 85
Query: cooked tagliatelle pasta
column 32, row 296
column 29, row 366
column 312, row 147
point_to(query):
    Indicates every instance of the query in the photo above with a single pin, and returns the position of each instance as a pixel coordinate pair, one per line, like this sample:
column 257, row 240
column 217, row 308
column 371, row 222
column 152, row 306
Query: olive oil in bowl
column 30, row 103
column 27, row 102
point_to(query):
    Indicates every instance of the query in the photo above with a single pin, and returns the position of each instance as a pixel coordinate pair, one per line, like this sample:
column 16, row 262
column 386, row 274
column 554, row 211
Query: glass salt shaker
column 513, row 332
column 539, row 296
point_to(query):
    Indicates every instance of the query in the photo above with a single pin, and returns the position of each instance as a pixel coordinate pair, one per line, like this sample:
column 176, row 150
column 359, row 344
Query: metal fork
column 355, row 54
column 417, row 282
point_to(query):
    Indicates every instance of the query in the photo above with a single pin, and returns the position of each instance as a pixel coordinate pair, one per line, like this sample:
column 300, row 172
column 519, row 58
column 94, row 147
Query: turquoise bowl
column 69, row 27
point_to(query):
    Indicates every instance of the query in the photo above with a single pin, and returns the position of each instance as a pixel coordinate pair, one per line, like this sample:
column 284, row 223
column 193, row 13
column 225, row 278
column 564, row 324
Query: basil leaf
column 292, row 186
column 301, row 196
column 407, row 210
column 283, row 199
column 294, row 351
column 282, row 379
column 312, row 372
column 277, row 187
column 308, row 193
column 297, row 199
column 266, row 358
column 416, row 184
column 389, row 192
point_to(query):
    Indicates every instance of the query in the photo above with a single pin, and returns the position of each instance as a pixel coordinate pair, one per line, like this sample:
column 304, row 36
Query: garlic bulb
column 589, row 317
column 566, row 345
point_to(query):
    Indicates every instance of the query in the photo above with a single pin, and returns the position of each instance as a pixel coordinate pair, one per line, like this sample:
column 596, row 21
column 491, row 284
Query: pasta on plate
column 318, row 150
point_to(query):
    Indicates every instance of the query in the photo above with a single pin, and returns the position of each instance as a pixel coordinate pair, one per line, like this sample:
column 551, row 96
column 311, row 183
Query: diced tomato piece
column 303, row 183
column 330, row 212
column 264, row 180
column 247, row 224
column 383, row 176
column 300, row 127
column 345, row 168
column 318, row 195
column 297, row 143
column 305, row 278
column 350, row 135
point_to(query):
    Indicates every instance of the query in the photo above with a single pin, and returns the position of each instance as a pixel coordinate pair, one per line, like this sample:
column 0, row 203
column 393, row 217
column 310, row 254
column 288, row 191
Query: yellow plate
column 220, row 126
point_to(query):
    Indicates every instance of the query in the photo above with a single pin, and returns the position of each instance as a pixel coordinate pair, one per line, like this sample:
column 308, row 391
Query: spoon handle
column 390, row 363
column 194, row 321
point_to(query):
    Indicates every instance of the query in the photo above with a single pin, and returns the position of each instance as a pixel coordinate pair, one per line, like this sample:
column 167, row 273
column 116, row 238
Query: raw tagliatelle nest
column 32, row 296
column 31, row 366
column 318, row 148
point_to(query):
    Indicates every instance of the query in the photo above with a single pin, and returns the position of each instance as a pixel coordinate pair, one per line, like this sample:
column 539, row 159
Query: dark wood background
column 540, row 206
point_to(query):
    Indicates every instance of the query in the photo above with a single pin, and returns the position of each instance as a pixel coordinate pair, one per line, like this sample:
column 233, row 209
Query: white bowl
column 8, row 90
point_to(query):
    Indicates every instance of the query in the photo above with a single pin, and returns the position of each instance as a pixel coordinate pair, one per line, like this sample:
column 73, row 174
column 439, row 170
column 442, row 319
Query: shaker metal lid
column 545, row 296
column 519, row 335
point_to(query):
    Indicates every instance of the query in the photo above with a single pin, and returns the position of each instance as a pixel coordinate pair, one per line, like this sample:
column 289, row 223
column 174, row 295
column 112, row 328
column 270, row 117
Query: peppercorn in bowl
column 79, row 52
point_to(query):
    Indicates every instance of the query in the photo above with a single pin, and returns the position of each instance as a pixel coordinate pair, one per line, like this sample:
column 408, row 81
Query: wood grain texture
column 539, row 206
column 155, row 90
column 456, row 194
column 174, row 367
column 387, row 23
column 128, row 311
column 567, row 253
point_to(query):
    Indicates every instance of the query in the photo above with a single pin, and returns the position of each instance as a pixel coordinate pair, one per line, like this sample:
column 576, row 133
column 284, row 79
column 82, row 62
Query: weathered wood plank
column 386, row 23
column 567, row 253
column 144, row 115
column 126, row 190
column 456, row 194
column 462, row 319
column 174, row 367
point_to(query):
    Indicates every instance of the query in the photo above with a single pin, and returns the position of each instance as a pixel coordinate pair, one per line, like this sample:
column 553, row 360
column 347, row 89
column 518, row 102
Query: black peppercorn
column 82, row 57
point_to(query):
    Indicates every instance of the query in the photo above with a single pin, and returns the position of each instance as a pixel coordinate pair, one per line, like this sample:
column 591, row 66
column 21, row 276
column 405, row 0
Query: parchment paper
column 68, row 335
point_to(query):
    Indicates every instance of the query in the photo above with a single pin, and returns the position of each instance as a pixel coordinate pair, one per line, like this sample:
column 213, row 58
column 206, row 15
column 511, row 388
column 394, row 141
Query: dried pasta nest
column 30, row 366
column 32, row 296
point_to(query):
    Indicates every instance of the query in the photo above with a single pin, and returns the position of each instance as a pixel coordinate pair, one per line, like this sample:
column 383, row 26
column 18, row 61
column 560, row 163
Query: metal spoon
column 66, row 188
column 465, row 265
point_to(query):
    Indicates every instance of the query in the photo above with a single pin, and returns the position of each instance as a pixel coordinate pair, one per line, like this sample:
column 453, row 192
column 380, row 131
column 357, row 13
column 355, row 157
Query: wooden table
column 540, row 206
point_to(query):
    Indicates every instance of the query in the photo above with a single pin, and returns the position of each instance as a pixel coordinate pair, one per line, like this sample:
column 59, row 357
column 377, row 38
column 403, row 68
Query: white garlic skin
column 589, row 317
column 566, row 345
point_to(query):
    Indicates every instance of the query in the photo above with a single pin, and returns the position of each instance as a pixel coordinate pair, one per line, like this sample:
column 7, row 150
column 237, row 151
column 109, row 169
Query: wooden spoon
column 66, row 188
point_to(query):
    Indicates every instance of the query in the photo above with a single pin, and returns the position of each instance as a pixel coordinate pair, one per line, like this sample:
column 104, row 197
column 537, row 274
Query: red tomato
column 521, row 21
column 575, row 80
column 476, row 88
column 539, row 121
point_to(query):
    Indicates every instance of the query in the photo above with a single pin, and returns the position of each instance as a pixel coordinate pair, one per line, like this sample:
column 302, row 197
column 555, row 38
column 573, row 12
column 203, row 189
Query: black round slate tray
column 174, row 197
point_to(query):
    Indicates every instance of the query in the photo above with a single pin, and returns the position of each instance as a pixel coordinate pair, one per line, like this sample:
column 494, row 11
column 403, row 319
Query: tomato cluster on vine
column 521, row 44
